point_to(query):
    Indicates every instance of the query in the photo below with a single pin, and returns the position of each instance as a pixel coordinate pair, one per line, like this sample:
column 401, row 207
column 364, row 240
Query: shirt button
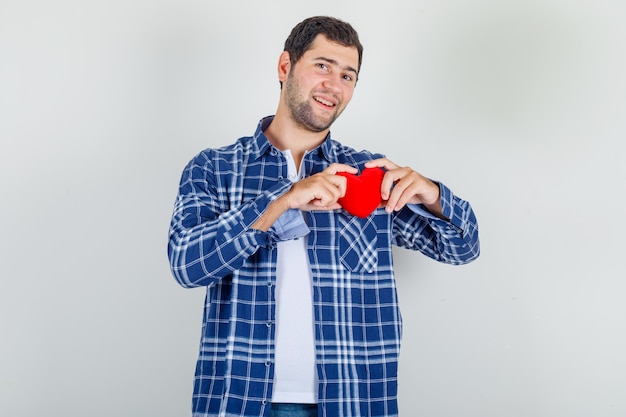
column 269, row 324
column 268, row 363
column 293, row 177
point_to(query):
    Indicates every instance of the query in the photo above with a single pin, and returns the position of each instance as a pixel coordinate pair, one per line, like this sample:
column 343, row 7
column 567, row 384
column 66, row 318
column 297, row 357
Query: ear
column 284, row 66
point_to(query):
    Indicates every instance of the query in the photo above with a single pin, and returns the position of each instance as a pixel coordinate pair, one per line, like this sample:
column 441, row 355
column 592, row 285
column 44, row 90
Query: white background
column 518, row 106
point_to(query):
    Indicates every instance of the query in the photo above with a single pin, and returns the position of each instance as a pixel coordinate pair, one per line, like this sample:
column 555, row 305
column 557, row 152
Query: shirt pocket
column 358, row 244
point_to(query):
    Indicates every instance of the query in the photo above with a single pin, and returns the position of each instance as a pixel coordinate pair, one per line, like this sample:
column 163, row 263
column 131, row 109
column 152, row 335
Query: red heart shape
column 362, row 192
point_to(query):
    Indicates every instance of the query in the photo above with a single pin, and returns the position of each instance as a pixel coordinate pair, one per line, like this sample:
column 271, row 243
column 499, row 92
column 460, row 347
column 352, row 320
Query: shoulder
column 226, row 153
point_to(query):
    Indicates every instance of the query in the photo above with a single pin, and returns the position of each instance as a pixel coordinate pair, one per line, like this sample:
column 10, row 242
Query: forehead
column 321, row 47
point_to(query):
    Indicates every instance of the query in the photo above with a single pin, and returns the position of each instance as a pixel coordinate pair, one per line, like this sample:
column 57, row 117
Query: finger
column 396, row 187
column 315, row 188
column 401, row 196
column 390, row 178
column 335, row 168
column 331, row 190
column 340, row 182
column 317, row 205
column 381, row 163
column 326, row 179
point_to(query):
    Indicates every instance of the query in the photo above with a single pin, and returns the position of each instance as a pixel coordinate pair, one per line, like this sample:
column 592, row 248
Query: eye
column 322, row 66
column 347, row 77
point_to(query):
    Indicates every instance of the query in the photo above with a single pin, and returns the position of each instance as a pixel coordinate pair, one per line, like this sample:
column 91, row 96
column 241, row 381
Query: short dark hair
column 335, row 30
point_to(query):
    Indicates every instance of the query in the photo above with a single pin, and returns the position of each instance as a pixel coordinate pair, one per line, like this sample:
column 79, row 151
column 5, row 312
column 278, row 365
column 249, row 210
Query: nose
column 332, row 82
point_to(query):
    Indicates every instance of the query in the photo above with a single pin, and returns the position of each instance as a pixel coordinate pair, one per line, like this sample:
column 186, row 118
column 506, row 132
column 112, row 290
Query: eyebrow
column 335, row 63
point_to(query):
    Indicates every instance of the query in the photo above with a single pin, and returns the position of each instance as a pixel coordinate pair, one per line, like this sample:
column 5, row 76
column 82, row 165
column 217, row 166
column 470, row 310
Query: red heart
column 362, row 192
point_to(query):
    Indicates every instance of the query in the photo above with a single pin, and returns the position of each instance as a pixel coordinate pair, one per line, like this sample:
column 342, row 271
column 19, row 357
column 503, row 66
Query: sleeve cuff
column 447, row 202
column 291, row 225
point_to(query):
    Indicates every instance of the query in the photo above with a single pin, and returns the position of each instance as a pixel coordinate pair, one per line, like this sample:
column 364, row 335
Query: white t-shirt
column 295, row 375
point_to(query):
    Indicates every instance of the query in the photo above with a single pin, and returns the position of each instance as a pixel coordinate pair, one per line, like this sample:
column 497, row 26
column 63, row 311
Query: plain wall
column 518, row 106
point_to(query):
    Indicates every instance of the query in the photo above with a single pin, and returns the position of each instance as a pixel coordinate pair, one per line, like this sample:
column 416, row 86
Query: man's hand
column 317, row 192
column 403, row 185
column 320, row 191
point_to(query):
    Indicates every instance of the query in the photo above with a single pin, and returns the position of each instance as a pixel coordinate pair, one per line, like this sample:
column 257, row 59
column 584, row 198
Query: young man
column 301, row 314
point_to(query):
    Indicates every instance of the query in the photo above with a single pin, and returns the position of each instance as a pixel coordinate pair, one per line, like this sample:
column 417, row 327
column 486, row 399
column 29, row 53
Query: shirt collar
column 263, row 145
column 261, row 142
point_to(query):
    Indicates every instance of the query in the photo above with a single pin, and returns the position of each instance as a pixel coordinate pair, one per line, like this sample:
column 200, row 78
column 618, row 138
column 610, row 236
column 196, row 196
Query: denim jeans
column 294, row 410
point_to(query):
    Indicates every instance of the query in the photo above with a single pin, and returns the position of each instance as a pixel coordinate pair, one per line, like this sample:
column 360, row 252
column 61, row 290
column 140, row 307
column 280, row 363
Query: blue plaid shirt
column 222, row 193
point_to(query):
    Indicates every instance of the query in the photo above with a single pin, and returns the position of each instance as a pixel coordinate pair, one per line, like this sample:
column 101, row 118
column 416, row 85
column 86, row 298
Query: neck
column 285, row 134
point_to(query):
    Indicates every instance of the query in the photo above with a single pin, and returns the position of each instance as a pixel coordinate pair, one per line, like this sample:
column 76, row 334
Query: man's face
column 320, row 85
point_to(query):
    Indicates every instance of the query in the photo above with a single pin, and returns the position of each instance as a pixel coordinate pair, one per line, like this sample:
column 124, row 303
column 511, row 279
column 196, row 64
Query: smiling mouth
column 324, row 102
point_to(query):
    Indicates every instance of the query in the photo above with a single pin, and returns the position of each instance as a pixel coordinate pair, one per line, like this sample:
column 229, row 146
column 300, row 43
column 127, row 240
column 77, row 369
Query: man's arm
column 446, row 230
column 317, row 192
column 403, row 185
column 207, row 243
column 208, row 238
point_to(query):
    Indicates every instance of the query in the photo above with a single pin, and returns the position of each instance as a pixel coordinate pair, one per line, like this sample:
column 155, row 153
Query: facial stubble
column 301, row 109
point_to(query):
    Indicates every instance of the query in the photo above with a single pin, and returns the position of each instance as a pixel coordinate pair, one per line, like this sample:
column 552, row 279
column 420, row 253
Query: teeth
column 324, row 102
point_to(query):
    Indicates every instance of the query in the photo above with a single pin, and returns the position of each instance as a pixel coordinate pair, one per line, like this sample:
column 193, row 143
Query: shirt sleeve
column 208, row 240
column 290, row 225
column 454, row 241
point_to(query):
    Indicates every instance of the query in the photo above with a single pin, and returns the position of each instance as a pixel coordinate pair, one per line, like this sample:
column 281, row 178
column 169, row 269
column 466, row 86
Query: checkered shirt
column 222, row 193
